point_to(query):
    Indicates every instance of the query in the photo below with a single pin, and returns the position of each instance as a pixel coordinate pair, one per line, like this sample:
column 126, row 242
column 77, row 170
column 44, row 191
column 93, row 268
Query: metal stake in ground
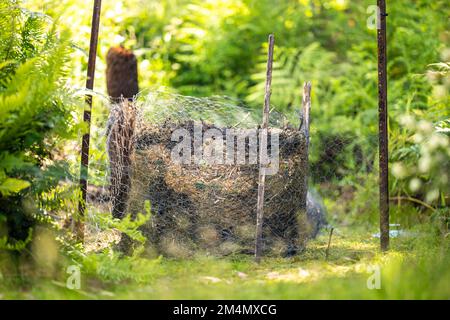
column 79, row 225
column 382, row 124
column 263, row 136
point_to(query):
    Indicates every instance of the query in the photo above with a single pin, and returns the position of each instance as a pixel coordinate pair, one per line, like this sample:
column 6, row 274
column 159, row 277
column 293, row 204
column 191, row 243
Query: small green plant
column 109, row 264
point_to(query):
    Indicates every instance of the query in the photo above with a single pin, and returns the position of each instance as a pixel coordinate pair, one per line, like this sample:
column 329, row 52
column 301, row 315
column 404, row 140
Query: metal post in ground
column 79, row 224
column 383, row 129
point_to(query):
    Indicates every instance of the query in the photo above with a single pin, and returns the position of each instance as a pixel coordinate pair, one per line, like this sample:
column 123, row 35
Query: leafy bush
column 34, row 117
column 424, row 162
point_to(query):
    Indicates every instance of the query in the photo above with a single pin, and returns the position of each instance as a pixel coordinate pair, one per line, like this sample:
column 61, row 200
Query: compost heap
column 201, row 206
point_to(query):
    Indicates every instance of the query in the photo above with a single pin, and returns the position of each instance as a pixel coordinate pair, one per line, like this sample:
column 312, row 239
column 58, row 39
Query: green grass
column 416, row 267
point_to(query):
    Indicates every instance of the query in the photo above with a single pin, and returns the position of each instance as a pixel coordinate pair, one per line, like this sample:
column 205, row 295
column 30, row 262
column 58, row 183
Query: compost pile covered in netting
column 196, row 161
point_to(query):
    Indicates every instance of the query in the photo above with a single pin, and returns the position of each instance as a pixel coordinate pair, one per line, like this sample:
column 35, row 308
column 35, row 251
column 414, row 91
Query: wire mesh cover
column 204, row 206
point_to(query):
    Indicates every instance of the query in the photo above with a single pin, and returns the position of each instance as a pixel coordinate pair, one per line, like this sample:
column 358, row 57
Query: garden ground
column 416, row 267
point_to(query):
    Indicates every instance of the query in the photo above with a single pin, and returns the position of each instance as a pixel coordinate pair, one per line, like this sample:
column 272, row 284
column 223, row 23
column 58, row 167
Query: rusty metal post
column 382, row 125
column 263, row 135
column 79, row 225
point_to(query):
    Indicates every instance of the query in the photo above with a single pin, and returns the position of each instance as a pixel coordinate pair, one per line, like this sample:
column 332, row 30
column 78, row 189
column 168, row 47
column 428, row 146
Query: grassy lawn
column 417, row 267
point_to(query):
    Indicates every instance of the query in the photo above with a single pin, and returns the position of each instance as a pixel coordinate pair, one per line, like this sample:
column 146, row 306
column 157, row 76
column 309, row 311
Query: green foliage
column 424, row 162
column 35, row 115
column 129, row 225
column 421, row 155
column 109, row 264
column 113, row 267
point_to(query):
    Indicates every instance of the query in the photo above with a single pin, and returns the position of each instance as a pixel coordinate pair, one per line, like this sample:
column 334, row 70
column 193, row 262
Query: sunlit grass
column 415, row 267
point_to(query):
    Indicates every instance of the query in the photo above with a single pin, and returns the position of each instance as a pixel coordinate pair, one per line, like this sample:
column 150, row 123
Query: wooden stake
column 306, row 108
column 383, row 130
column 122, row 85
column 263, row 135
column 79, row 224
column 304, row 128
column 327, row 252
column 121, row 74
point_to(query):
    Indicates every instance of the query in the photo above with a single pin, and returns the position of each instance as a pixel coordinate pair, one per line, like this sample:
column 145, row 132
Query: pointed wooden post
column 306, row 108
column 304, row 126
column 262, row 172
column 383, row 130
column 304, row 129
column 79, row 224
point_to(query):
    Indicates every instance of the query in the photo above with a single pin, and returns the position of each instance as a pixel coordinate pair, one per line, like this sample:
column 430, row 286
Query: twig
column 263, row 137
column 426, row 205
column 329, row 243
column 241, row 121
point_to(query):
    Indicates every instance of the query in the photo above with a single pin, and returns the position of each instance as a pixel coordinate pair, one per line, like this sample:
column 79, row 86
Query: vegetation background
column 218, row 47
